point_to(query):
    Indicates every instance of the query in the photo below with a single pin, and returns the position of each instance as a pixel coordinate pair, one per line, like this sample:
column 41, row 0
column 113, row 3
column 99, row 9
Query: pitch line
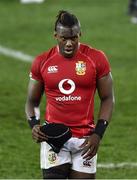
column 15, row 54
column 117, row 165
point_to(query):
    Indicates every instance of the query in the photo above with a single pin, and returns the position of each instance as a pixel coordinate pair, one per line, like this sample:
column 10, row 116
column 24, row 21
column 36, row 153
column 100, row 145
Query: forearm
column 106, row 108
column 106, row 94
column 32, row 109
column 32, row 114
column 29, row 109
column 35, row 92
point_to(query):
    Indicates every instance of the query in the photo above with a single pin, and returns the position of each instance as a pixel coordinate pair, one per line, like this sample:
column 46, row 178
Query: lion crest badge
column 52, row 157
column 80, row 68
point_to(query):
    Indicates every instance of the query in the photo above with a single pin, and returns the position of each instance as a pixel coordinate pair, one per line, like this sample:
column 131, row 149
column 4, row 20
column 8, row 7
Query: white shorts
column 69, row 153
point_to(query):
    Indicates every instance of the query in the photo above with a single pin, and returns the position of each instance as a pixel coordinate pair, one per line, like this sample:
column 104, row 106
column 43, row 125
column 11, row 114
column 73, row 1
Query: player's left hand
column 90, row 146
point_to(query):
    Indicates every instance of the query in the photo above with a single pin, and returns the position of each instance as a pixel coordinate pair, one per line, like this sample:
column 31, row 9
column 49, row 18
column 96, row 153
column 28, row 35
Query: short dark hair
column 66, row 19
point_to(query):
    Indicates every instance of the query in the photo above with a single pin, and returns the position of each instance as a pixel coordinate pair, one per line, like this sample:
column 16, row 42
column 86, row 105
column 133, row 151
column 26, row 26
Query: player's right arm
column 35, row 92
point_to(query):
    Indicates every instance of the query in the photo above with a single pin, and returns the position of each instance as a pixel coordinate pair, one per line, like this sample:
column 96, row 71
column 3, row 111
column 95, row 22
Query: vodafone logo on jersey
column 70, row 82
column 68, row 91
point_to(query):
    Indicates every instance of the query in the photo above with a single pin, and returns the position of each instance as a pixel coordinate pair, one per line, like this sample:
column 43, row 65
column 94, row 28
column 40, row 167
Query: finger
column 94, row 152
column 39, row 141
column 41, row 133
column 36, row 135
column 83, row 144
column 42, row 137
column 92, row 155
column 85, row 150
column 36, row 131
column 89, row 152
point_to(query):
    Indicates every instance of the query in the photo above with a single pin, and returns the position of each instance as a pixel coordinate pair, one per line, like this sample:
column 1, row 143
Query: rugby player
column 69, row 74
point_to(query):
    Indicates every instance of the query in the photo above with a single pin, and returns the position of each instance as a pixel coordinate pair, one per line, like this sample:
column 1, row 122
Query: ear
column 80, row 34
column 55, row 34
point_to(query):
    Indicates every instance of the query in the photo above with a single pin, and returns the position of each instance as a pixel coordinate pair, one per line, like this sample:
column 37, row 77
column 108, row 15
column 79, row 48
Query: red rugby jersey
column 70, row 85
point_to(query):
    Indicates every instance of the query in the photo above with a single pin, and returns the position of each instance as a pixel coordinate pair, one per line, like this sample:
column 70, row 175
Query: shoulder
column 93, row 53
column 43, row 57
column 99, row 59
column 39, row 62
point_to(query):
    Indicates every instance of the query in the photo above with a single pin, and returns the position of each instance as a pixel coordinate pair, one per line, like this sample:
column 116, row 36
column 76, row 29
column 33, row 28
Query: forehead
column 67, row 31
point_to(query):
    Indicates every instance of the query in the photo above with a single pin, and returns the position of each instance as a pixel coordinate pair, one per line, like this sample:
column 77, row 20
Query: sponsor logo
column 87, row 163
column 62, row 87
column 68, row 98
column 80, row 68
column 70, row 82
column 52, row 69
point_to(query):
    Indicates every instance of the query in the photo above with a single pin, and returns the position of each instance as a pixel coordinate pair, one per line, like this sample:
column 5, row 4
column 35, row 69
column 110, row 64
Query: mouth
column 68, row 51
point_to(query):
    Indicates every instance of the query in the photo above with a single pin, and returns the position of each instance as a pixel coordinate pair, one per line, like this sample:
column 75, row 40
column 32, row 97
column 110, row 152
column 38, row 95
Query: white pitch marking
column 117, row 165
column 15, row 54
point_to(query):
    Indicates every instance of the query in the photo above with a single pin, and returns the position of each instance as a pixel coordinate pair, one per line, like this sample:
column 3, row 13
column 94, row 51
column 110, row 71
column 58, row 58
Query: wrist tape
column 33, row 121
column 101, row 127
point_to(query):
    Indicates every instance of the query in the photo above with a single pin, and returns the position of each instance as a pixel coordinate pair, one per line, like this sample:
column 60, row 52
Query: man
column 132, row 9
column 69, row 74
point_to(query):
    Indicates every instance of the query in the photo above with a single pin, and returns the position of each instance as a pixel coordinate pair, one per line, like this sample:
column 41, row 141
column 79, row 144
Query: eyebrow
column 76, row 36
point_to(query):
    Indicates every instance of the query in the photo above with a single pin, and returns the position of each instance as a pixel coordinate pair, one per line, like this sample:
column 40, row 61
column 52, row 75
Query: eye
column 63, row 38
column 74, row 38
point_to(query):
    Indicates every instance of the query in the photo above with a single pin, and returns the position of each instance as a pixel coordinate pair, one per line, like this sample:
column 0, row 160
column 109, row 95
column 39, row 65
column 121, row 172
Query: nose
column 68, row 43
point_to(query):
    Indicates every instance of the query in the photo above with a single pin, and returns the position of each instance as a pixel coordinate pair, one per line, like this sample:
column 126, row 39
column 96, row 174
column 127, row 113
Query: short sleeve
column 35, row 71
column 102, row 65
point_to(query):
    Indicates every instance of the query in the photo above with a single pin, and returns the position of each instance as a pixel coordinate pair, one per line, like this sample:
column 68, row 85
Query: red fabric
column 70, row 85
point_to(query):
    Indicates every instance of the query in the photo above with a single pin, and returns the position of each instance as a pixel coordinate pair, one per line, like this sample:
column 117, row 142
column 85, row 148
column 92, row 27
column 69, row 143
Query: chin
column 68, row 55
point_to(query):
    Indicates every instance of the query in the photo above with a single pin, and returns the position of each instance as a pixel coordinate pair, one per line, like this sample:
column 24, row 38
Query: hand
column 90, row 146
column 37, row 134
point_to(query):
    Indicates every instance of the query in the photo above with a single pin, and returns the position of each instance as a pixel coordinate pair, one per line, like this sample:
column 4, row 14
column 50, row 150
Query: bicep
column 35, row 91
column 105, row 86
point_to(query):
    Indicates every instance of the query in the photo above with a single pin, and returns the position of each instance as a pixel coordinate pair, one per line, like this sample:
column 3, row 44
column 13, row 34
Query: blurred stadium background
column 29, row 29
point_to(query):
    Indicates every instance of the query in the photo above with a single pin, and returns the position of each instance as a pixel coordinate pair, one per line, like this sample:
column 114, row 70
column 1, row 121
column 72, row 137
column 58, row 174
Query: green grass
column 29, row 28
